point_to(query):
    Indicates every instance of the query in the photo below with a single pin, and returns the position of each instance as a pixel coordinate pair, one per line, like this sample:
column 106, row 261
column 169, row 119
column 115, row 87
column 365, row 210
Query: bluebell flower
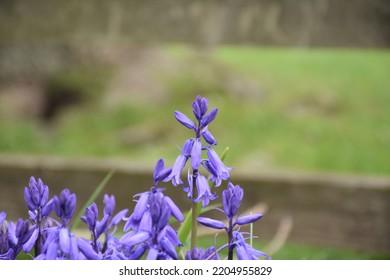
column 180, row 163
column 15, row 237
column 244, row 250
column 64, row 206
column 203, row 190
column 199, row 109
column 197, row 188
column 160, row 173
column 184, row 120
column 208, row 137
column 218, row 170
column 151, row 233
column 207, row 119
column 39, row 206
column 149, row 223
column 196, row 154
column 95, row 226
column 198, row 254
column 109, row 208
column 6, row 252
column 231, row 200
column 60, row 244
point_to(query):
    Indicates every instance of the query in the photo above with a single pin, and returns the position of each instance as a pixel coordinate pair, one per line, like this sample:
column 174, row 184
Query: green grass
column 299, row 109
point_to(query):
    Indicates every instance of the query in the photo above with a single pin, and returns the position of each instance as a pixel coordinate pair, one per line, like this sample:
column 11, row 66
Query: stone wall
column 354, row 23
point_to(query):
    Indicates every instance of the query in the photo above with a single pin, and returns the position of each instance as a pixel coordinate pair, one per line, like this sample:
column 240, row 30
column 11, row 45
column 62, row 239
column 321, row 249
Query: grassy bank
column 295, row 109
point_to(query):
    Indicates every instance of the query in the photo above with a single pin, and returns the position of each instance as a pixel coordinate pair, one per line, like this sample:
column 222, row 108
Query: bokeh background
column 302, row 89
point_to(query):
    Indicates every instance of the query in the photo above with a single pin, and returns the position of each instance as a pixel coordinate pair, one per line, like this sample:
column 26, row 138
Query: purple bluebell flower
column 113, row 221
column 64, row 206
column 203, row 190
column 15, row 237
column 244, row 250
column 161, row 173
column 180, row 163
column 109, row 208
column 193, row 149
column 231, row 200
column 198, row 254
column 149, row 222
column 6, row 252
column 109, row 204
column 207, row 119
column 151, row 233
column 39, row 206
column 36, row 195
column 211, row 223
column 199, row 109
column 60, row 244
column 95, row 226
column 196, row 154
column 208, row 137
column 218, row 170
column 184, row 120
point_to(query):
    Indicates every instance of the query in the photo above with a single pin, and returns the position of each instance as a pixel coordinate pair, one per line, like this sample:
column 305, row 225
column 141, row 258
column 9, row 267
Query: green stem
column 194, row 228
column 194, row 212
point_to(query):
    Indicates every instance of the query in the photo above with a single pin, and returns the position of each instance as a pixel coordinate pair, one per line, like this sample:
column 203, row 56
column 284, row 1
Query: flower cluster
column 147, row 232
column 198, row 187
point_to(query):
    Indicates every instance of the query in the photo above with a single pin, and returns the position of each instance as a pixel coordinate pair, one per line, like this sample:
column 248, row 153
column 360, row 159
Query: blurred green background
column 300, row 87
column 280, row 108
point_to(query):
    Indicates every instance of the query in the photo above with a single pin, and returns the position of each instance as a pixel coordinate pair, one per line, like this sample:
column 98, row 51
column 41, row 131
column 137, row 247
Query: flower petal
column 31, row 241
column 207, row 119
column 175, row 211
column 64, row 240
column 211, row 223
column 119, row 217
column 196, row 154
column 169, row 248
column 131, row 240
column 87, row 250
column 184, row 120
column 248, row 219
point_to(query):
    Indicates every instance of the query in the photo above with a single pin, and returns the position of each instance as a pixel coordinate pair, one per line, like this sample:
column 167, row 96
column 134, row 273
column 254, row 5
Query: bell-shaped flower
column 203, row 189
column 64, row 205
column 244, row 250
column 208, row 137
column 231, row 200
column 249, row 219
column 36, row 195
column 211, row 223
column 180, row 163
column 91, row 216
column 60, row 245
column 171, row 234
column 160, row 173
column 175, row 211
column 207, row 119
column 168, row 248
column 198, row 254
column 21, row 236
column 109, row 204
column 196, row 155
column 218, row 170
column 184, row 120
